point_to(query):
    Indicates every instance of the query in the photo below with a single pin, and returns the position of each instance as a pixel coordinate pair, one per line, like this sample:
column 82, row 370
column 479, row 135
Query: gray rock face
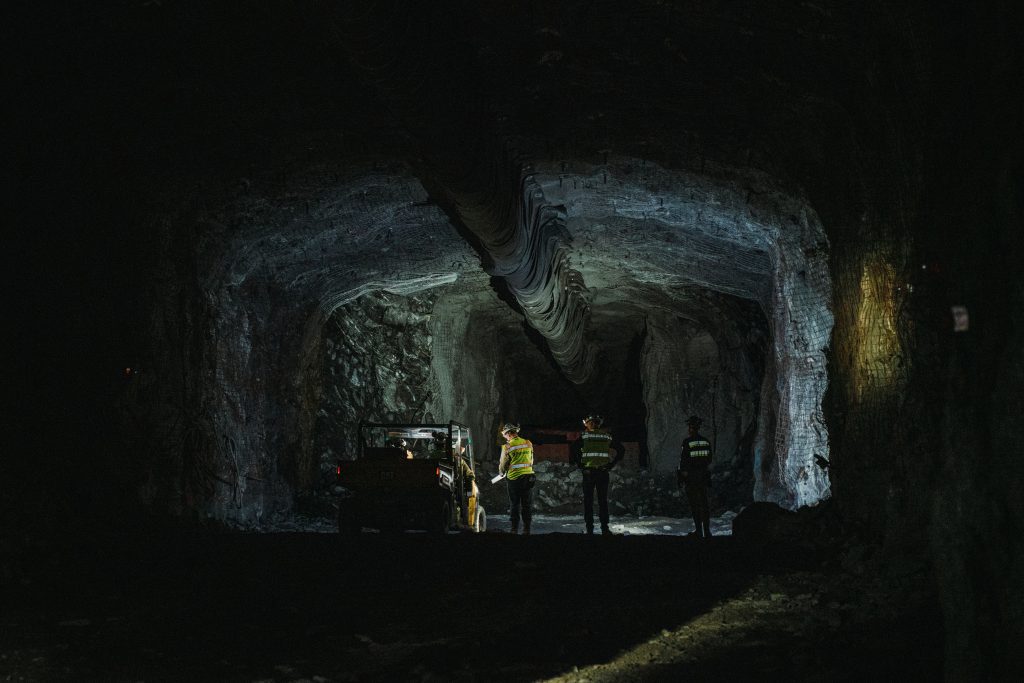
column 704, row 233
column 377, row 357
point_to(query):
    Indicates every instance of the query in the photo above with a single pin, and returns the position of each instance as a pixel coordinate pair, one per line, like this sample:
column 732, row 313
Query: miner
column 694, row 476
column 592, row 454
column 516, row 463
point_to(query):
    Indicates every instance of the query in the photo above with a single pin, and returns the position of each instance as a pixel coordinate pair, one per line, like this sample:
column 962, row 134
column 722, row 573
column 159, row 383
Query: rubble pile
column 631, row 490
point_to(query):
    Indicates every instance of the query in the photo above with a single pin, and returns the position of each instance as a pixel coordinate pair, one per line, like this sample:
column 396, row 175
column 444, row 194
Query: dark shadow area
column 220, row 606
column 634, row 426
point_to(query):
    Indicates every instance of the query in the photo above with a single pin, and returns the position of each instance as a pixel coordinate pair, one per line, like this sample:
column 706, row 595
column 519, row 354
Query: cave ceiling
column 656, row 129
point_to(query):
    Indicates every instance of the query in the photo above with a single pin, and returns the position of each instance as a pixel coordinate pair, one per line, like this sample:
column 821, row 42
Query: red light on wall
column 437, row 471
column 337, row 470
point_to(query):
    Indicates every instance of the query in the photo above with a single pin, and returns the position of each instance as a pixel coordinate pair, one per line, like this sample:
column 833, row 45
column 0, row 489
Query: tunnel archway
column 705, row 298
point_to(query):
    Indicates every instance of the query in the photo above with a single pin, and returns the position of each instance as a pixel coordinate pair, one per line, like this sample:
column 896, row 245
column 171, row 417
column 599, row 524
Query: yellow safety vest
column 596, row 445
column 520, row 457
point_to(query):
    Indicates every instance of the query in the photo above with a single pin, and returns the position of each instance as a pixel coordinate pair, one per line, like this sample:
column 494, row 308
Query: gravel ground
column 290, row 607
column 624, row 526
column 542, row 524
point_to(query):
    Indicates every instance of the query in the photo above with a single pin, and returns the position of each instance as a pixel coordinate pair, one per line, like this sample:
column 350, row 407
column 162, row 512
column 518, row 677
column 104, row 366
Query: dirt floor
column 207, row 606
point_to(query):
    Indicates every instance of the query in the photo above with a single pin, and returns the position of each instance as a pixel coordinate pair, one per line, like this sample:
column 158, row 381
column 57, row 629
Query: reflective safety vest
column 520, row 457
column 699, row 448
column 596, row 446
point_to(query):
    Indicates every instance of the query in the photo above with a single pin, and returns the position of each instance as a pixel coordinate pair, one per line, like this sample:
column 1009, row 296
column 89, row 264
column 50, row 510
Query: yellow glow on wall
column 876, row 345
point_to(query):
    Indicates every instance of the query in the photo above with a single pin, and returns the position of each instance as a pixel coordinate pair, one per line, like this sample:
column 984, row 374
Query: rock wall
column 244, row 291
column 466, row 363
column 711, row 366
column 733, row 230
column 377, row 355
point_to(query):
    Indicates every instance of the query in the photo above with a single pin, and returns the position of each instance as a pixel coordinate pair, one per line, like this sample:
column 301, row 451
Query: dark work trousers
column 595, row 478
column 520, row 499
column 696, row 487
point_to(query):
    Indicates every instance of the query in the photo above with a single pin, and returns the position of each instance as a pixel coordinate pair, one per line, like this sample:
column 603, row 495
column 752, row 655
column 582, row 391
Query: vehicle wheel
column 480, row 525
column 444, row 519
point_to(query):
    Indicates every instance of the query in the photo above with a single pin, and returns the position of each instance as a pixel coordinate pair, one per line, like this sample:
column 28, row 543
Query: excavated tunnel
column 376, row 309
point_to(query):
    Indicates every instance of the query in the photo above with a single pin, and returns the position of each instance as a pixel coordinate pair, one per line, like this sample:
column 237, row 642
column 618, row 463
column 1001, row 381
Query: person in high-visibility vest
column 694, row 476
column 402, row 445
column 592, row 454
column 516, row 463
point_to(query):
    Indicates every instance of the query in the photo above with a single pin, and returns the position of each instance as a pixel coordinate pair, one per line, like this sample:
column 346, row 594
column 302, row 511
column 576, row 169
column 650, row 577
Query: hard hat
column 596, row 419
column 695, row 421
column 510, row 427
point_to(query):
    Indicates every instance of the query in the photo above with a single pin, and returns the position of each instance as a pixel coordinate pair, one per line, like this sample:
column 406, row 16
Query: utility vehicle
column 410, row 476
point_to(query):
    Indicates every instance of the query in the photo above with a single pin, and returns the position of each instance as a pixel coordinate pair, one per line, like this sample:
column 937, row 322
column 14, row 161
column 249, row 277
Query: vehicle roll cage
column 411, row 430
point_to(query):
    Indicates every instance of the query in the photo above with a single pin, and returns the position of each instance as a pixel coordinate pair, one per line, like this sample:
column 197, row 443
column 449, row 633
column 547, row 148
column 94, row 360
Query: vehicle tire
column 444, row 519
column 480, row 525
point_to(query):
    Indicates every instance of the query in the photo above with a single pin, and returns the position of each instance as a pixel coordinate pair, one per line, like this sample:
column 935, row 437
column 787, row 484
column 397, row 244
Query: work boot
column 515, row 529
column 590, row 531
column 707, row 529
column 605, row 531
column 526, row 528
